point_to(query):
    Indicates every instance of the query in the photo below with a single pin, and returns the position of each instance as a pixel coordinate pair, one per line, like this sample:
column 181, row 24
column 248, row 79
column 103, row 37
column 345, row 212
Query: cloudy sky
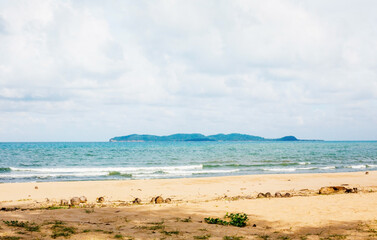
column 92, row 70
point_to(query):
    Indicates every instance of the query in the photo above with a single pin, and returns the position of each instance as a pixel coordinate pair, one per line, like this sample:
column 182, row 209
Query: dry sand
column 306, row 215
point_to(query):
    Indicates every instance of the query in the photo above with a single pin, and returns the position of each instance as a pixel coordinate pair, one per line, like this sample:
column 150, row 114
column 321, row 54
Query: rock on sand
column 75, row 201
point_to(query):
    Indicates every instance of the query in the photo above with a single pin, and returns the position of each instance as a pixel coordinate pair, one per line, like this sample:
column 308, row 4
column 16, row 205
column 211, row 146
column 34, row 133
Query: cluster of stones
column 75, row 201
column 269, row 195
column 157, row 200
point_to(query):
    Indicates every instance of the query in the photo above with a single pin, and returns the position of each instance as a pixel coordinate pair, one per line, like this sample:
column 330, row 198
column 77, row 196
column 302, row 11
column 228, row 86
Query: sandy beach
column 305, row 214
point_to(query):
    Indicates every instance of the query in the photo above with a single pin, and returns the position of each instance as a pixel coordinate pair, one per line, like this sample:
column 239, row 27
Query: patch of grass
column 156, row 223
column 219, row 221
column 303, row 237
column 156, row 227
column 334, row 237
column 203, row 236
column 232, row 238
column 89, row 210
column 15, row 223
column 170, row 233
column 57, row 207
column 186, row 219
column 203, row 230
column 10, row 238
column 118, row 236
column 59, row 230
column 265, row 237
column 31, row 227
column 235, row 219
column 86, row 230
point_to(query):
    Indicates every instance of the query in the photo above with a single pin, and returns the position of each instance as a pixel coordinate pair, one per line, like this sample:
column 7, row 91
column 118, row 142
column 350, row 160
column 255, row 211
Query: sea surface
column 39, row 162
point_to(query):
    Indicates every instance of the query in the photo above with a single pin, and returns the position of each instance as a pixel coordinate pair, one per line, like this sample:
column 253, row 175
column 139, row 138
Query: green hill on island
column 196, row 137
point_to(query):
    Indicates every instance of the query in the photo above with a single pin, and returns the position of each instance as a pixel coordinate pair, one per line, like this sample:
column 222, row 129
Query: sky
column 91, row 70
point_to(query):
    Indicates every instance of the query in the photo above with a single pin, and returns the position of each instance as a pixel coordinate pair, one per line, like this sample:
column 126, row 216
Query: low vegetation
column 235, row 219
column 31, row 227
column 232, row 238
column 60, row 230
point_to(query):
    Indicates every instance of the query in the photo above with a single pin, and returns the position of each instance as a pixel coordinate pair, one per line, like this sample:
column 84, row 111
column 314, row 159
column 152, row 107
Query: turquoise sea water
column 29, row 162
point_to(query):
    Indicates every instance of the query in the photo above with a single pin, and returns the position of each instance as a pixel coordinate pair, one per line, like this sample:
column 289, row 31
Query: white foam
column 136, row 172
column 304, row 163
column 357, row 166
column 328, row 167
column 306, row 168
column 107, row 169
column 280, row 169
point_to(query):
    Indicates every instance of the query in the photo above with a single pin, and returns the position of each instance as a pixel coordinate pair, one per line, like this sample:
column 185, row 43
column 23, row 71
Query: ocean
column 75, row 161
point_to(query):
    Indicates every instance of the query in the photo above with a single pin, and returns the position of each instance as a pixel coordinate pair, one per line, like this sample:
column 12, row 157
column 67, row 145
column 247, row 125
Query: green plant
column 118, row 236
column 219, row 221
column 264, row 237
column 235, row 219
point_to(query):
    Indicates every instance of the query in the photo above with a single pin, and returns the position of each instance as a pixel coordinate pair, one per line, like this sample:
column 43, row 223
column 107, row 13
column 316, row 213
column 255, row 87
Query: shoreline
column 217, row 186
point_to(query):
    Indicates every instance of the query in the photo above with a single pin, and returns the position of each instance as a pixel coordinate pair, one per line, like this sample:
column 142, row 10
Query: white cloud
column 90, row 70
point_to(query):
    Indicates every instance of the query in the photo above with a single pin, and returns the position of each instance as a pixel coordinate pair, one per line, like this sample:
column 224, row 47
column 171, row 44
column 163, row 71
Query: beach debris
column 6, row 209
column 83, row 199
column 153, row 200
column 100, row 199
column 136, row 201
column 268, row 194
column 159, row 199
column 332, row 189
column 64, row 202
column 351, row 190
column 278, row 194
column 366, row 173
column 261, row 195
column 36, row 187
column 287, row 195
column 168, row 200
column 75, row 201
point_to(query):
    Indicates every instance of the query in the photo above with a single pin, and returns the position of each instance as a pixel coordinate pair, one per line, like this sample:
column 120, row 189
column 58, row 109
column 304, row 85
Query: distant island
column 197, row 137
